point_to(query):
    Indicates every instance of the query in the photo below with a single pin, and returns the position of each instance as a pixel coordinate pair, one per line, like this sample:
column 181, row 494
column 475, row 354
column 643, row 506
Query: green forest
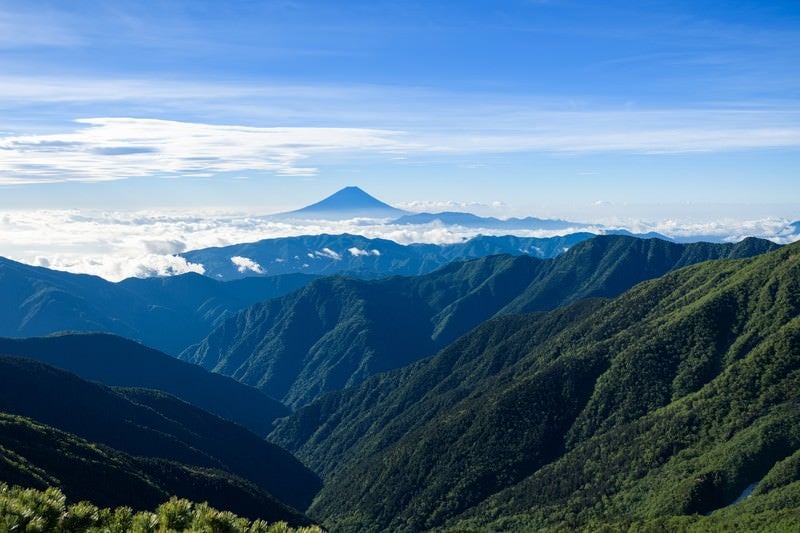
column 669, row 400
column 635, row 385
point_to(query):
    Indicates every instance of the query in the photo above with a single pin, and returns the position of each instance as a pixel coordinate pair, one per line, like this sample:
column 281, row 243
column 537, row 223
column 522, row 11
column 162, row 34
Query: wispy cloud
column 100, row 149
column 104, row 149
column 76, row 89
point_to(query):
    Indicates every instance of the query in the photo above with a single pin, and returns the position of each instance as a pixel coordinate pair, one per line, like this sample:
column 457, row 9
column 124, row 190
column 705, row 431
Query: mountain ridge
column 40, row 301
column 146, row 423
column 470, row 220
column 668, row 400
column 86, row 471
column 363, row 257
column 336, row 331
column 116, row 361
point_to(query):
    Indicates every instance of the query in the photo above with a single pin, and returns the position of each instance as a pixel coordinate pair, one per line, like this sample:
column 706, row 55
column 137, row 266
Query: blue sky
column 555, row 108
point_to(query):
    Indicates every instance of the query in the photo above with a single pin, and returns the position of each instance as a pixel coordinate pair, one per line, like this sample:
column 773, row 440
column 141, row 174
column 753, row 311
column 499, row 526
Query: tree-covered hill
column 150, row 424
column 336, row 332
column 116, row 361
column 665, row 402
column 34, row 455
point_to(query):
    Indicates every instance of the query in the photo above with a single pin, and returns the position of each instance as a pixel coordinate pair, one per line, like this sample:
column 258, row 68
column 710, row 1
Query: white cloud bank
column 121, row 244
column 118, row 266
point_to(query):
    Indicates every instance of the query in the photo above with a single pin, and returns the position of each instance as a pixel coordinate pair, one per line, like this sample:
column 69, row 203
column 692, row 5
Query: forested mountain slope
column 336, row 332
column 87, row 472
column 150, row 424
column 120, row 362
column 667, row 401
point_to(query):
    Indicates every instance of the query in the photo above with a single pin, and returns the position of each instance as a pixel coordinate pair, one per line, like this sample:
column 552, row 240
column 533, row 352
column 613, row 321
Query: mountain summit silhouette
column 349, row 202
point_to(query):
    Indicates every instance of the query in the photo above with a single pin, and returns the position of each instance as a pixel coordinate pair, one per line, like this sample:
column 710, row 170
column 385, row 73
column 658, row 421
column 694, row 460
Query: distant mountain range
column 354, row 202
column 362, row 257
column 39, row 301
column 358, row 256
column 336, row 332
column 468, row 220
column 674, row 401
column 167, row 313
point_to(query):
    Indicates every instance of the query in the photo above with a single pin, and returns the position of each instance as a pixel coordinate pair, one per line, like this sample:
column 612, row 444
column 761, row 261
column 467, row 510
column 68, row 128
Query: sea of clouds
column 121, row 244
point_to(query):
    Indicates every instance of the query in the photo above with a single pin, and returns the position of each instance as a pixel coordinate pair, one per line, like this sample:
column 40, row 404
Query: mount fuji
column 350, row 202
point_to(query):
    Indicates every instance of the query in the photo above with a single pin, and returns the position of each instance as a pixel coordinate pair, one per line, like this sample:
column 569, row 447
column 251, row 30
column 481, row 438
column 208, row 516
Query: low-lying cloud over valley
column 120, row 244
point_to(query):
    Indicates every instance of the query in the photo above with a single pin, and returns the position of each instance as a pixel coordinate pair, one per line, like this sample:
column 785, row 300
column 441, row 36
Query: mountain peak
column 349, row 202
column 352, row 189
column 348, row 197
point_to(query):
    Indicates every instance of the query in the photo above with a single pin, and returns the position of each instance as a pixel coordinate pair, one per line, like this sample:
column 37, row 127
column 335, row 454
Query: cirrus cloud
column 103, row 149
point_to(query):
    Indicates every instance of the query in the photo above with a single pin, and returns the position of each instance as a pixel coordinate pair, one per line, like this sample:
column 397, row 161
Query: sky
column 665, row 112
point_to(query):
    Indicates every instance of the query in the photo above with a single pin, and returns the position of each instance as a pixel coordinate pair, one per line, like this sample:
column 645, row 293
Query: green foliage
column 693, row 451
column 47, row 511
column 779, row 512
column 663, row 403
column 783, row 473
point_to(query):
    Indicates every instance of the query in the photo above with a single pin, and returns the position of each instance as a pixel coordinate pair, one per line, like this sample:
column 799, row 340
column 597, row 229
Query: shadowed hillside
column 119, row 362
column 149, row 424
